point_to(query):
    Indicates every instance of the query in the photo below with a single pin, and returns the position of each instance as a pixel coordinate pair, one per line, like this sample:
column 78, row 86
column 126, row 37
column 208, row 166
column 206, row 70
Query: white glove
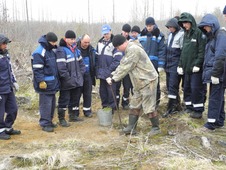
column 180, row 70
column 160, row 69
column 16, row 86
column 215, row 80
column 109, row 80
column 195, row 69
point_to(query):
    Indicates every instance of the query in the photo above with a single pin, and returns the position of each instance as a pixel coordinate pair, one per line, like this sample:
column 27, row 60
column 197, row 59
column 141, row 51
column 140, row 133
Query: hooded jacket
column 70, row 66
column 215, row 48
column 44, row 67
column 174, row 46
column 193, row 50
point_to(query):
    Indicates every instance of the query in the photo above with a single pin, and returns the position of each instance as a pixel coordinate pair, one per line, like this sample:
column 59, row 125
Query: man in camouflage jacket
column 144, row 79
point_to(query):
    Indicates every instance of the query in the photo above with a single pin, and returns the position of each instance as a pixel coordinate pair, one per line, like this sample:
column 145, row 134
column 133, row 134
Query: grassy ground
column 86, row 145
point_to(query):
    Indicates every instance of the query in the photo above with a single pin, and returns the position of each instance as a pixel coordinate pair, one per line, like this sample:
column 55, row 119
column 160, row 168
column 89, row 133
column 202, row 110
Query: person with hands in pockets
column 144, row 79
column 45, row 79
column 190, row 64
column 213, row 70
column 8, row 103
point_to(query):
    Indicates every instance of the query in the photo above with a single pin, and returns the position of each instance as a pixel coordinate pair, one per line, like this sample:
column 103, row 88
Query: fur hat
column 118, row 40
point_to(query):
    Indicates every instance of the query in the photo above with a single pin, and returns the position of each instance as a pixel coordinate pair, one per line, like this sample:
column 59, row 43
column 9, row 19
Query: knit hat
column 51, row 37
column 150, row 21
column 4, row 39
column 126, row 28
column 105, row 29
column 224, row 11
column 118, row 40
column 136, row 29
column 70, row 34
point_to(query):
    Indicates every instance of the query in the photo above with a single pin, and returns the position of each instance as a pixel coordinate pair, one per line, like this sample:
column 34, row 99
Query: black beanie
column 118, row 40
column 224, row 11
column 126, row 28
column 136, row 29
column 150, row 21
column 51, row 37
column 70, row 34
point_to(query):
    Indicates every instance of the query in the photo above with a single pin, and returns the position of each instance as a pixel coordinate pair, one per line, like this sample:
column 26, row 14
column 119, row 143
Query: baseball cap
column 4, row 39
column 106, row 29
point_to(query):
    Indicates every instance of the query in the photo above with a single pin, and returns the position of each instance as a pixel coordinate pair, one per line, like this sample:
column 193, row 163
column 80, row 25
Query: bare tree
column 27, row 15
column 113, row 19
column 88, row 12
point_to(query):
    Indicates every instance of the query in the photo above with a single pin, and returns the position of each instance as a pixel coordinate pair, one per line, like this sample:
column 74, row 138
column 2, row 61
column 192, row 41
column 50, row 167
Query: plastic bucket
column 105, row 116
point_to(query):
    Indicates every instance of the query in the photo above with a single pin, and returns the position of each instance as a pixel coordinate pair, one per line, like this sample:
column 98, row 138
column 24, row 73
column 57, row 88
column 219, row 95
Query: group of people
column 192, row 57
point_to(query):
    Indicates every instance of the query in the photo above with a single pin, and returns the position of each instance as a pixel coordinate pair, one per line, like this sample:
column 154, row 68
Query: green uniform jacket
column 193, row 46
column 136, row 63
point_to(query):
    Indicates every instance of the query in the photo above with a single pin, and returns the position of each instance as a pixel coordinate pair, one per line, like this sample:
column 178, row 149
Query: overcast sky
column 102, row 10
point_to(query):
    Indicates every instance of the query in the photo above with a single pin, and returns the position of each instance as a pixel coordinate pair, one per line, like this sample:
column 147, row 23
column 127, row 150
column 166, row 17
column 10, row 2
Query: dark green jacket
column 193, row 46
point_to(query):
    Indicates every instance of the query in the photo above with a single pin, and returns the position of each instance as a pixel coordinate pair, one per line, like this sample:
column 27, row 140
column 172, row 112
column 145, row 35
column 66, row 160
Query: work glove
column 215, row 80
column 16, row 86
column 195, row 69
column 180, row 70
column 160, row 69
column 42, row 85
column 109, row 80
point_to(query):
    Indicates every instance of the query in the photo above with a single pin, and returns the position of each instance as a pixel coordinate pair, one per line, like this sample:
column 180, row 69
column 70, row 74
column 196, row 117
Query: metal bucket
column 105, row 116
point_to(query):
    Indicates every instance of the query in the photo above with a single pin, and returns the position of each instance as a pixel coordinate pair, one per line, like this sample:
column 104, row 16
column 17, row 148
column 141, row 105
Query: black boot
column 73, row 116
column 61, row 117
column 171, row 108
column 4, row 136
column 125, row 103
column 155, row 124
column 131, row 127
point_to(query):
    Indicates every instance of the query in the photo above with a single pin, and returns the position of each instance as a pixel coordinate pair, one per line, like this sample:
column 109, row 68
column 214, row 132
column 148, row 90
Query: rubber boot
column 61, row 117
column 155, row 124
column 131, row 127
column 73, row 115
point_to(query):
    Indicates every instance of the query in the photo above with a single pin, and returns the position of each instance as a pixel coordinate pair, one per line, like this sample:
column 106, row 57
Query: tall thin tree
column 113, row 19
column 27, row 15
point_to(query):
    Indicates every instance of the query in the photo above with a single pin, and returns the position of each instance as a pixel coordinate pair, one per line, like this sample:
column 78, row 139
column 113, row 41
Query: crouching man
column 144, row 79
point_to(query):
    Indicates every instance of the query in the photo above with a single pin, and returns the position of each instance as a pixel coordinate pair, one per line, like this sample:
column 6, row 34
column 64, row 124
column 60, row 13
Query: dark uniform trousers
column 86, row 91
column 8, row 105
column 194, row 92
column 47, row 104
column 216, row 104
column 172, row 82
column 127, row 89
column 70, row 98
column 106, row 94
